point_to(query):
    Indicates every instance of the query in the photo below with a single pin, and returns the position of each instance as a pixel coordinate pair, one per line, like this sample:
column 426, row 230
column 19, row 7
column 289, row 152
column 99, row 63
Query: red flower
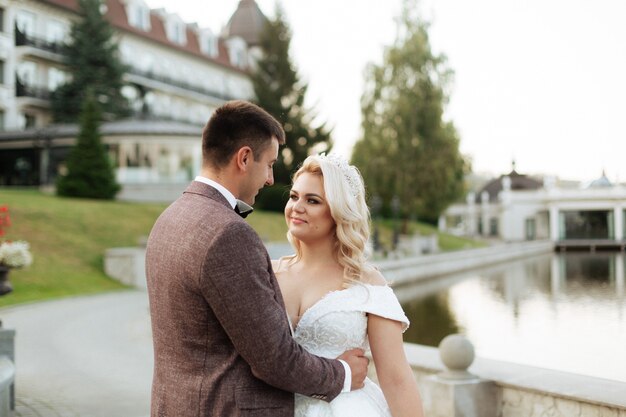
column 5, row 220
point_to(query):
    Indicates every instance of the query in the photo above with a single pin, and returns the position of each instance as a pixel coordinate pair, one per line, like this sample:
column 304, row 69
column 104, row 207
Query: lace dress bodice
column 336, row 323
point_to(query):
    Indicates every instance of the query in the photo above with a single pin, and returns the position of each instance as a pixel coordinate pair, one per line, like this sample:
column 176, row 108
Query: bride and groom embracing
column 238, row 334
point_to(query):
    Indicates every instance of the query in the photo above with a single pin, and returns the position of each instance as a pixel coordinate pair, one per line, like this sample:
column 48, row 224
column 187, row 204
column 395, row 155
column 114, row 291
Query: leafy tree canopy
column 408, row 150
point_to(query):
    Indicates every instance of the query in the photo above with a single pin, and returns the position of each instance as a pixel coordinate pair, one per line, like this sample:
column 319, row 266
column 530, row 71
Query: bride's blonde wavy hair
column 345, row 195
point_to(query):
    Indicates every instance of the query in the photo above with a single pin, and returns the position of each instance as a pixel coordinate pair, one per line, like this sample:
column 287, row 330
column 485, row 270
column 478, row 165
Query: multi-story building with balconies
column 179, row 73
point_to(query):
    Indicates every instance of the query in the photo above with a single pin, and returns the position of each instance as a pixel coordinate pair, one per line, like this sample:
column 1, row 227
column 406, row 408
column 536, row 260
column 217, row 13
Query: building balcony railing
column 181, row 84
column 22, row 39
column 152, row 115
column 25, row 90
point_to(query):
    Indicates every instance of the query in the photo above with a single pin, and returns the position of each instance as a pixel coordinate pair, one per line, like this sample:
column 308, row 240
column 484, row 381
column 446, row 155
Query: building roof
column 248, row 22
column 116, row 14
column 601, row 182
column 518, row 182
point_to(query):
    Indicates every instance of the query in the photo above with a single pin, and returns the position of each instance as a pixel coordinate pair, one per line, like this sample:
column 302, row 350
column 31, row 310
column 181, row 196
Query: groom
column 222, row 342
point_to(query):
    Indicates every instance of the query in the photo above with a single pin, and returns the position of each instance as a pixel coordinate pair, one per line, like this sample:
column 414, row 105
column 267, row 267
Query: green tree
column 89, row 171
column 280, row 91
column 407, row 149
column 92, row 60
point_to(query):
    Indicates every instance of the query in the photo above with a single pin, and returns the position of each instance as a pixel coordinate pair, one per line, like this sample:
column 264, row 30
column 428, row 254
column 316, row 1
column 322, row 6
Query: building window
column 493, row 226
column 1, row 19
column 531, row 229
column 25, row 22
column 208, row 44
column 236, row 57
column 181, row 29
column 56, row 31
column 176, row 31
column 237, row 52
column 26, row 72
column 1, row 72
column 139, row 16
column 241, row 59
column 29, row 120
column 55, row 78
column 1, row 119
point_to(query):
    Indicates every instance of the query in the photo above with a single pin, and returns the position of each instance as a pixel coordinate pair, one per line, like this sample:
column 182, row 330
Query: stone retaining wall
column 412, row 269
column 7, row 372
column 519, row 390
column 127, row 265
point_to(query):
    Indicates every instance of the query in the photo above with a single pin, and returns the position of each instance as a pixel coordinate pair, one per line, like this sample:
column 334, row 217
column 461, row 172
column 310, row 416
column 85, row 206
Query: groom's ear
column 243, row 157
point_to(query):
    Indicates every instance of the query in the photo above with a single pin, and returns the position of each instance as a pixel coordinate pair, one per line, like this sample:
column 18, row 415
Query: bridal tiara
column 349, row 172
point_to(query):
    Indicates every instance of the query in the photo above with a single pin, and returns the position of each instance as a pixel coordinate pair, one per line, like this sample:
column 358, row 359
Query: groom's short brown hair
column 235, row 124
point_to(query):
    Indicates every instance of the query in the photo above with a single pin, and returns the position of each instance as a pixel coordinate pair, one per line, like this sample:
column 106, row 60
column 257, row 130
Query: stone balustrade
column 455, row 384
column 7, row 372
column 409, row 270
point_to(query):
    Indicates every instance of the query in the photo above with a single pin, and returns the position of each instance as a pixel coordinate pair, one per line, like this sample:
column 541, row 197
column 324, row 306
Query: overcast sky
column 539, row 81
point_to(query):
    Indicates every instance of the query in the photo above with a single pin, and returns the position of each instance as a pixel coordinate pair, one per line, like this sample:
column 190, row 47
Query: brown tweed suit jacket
column 222, row 344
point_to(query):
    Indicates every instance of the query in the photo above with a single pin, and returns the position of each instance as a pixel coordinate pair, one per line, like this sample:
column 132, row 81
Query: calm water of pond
column 560, row 311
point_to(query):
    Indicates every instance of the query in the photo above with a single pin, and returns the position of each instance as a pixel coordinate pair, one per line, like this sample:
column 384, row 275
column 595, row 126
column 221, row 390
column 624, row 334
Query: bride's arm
column 392, row 368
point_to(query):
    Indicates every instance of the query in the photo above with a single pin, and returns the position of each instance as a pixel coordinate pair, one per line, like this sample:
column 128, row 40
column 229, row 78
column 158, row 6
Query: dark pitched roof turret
column 248, row 22
column 518, row 182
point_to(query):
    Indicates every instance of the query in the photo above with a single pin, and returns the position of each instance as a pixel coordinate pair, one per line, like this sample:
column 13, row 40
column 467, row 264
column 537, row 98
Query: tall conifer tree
column 89, row 171
column 280, row 91
column 91, row 57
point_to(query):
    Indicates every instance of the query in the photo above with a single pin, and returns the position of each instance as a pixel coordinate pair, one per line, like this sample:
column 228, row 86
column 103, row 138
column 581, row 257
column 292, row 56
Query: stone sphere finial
column 457, row 354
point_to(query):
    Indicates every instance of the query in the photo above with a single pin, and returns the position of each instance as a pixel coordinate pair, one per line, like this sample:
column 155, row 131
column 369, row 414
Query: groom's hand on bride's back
column 356, row 360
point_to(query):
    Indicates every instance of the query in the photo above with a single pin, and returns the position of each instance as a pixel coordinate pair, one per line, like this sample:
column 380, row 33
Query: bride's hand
column 356, row 360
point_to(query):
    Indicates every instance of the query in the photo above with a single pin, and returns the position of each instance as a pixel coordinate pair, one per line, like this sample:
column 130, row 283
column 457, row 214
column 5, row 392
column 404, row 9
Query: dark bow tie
column 243, row 209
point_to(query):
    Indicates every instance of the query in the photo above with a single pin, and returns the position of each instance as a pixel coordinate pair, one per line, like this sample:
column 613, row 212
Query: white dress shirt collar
column 219, row 187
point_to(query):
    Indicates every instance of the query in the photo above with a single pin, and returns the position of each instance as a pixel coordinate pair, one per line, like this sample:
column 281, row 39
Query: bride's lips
column 296, row 220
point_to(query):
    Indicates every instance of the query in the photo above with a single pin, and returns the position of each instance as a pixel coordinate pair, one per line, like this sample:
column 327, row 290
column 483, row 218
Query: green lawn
column 68, row 238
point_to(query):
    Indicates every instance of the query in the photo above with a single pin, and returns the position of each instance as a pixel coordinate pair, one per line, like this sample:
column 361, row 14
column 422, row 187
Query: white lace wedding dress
column 337, row 323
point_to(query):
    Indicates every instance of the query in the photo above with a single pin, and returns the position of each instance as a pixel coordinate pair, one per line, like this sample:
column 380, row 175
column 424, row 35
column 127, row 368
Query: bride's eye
column 293, row 197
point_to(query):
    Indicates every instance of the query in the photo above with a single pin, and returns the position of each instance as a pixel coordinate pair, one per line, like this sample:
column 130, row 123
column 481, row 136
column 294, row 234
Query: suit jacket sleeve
column 237, row 282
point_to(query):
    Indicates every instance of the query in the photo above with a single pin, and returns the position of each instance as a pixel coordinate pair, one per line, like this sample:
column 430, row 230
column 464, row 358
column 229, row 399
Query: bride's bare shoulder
column 371, row 275
column 280, row 264
column 275, row 264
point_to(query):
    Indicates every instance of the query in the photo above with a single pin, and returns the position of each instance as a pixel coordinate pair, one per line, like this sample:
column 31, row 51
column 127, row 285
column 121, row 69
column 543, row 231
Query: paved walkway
column 83, row 357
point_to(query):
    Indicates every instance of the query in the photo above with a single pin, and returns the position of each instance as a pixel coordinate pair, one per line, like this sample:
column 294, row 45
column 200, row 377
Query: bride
column 335, row 300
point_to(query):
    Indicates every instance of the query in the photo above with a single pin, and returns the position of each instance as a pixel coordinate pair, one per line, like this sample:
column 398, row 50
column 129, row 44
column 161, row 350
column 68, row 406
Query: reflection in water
column 431, row 319
column 561, row 311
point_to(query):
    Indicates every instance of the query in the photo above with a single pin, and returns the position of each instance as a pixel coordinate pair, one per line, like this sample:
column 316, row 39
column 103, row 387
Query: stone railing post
column 7, row 371
column 456, row 392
